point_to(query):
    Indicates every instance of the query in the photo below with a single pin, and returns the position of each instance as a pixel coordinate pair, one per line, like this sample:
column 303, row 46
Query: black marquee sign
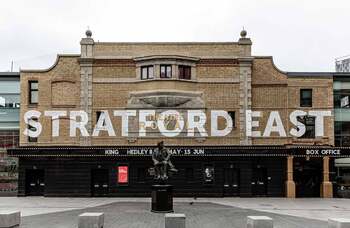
column 194, row 151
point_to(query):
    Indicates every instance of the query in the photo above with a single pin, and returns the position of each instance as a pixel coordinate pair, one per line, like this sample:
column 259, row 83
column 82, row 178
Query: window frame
column 30, row 127
column 30, row 82
column 183, row 75
column 165, row 66
column 232, row 114
column 98, row 115
column 303, row 119
column 147, row 67
column 305, row 102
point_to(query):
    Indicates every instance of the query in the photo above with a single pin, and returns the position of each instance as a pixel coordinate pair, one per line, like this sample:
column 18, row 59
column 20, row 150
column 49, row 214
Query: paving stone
column 138, row 215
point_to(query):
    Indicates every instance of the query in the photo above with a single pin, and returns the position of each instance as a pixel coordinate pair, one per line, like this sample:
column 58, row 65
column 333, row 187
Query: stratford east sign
column 172, row 123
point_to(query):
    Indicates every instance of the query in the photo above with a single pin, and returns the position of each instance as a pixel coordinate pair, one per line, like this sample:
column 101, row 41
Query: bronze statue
column 161, row 161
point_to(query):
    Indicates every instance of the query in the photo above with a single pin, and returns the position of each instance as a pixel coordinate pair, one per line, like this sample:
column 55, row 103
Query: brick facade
column 224, row 76
column 104, row 75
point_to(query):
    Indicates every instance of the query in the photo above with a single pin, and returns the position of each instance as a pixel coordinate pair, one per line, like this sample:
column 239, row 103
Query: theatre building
column 173, row 92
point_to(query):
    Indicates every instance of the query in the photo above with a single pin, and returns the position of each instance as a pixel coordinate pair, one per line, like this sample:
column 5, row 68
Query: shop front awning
column 342, row 162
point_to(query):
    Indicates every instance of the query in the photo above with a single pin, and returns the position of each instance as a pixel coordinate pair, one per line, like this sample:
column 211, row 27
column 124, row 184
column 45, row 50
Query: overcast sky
column 301, row 35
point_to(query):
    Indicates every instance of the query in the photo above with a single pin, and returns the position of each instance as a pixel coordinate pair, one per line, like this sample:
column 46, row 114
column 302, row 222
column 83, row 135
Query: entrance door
column 307, row 177
column 231, row 182
column 99, row 182
column 35, row 182
column 259, row 181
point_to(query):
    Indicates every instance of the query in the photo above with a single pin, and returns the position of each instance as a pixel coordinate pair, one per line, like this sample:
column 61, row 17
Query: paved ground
column 138, row 215
column 40, row 212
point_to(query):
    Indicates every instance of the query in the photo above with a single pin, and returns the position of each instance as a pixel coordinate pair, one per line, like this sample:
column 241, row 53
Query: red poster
column 123, row 174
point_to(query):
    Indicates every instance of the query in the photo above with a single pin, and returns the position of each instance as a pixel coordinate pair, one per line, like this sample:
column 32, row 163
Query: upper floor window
column 309, row 122
column 98, row 115
column 306, row 98
column 185, row 72
column 9, row 101
column 232, row 115
column 165, row 71
column 33, row 92
column 30, row 127
column 147, row 72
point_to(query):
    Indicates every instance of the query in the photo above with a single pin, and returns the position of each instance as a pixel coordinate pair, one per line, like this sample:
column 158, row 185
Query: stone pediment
column 165, row 99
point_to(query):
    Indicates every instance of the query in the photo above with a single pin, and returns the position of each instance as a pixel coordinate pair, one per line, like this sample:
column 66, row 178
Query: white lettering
column 143, row 122
column 199, row 124
column 319, row 121
column 270, row 127
column 300, row 127
column 215, row 114
column 74, row 124
column 250, row 123
column 104, row 123
column 28, row 119
column 125, row 120
column 174, row 120
column 55, row 119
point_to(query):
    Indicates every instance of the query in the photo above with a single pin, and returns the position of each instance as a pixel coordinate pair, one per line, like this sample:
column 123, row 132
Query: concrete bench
column 259, row 222
column 175, row 220
column 338, row 223
column 10, row 219
column 91, row 220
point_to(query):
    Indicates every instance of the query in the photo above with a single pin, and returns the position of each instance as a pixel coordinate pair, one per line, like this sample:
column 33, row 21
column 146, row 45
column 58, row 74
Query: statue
column 161, row 161
column 162, row 193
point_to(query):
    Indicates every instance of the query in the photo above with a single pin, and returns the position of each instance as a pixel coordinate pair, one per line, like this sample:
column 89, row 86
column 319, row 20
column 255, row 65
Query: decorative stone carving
column 159, row 99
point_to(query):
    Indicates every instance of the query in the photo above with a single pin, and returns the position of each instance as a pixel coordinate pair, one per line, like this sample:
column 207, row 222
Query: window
column 10, row 101
column 185, row 72
column 232, row 115
column 165, row 71
column 2, row 102
column 98, row 114
column 30, row 127
column 342, row 133
column 147, row 72
column 306, row 98
column 33, row 92
column 309, row 122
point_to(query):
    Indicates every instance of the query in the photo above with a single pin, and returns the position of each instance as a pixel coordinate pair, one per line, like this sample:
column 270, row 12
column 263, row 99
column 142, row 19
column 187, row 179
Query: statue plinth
column 162, row 198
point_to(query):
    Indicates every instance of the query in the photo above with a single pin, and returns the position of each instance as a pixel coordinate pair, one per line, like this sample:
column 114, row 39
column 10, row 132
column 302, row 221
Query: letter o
column 162, row 128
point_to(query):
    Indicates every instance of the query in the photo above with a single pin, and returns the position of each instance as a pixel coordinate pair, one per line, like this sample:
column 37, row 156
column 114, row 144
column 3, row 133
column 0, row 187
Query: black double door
column 35, row 182
column 231, row 181
column 99, row 182
column 308, row 177
column 259, row 181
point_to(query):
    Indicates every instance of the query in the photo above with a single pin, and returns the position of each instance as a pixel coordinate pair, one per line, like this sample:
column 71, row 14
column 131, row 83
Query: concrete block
column 10, row 219
column 259, row 222
column 175, row 220
column 339, row 223
column 91, row 220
